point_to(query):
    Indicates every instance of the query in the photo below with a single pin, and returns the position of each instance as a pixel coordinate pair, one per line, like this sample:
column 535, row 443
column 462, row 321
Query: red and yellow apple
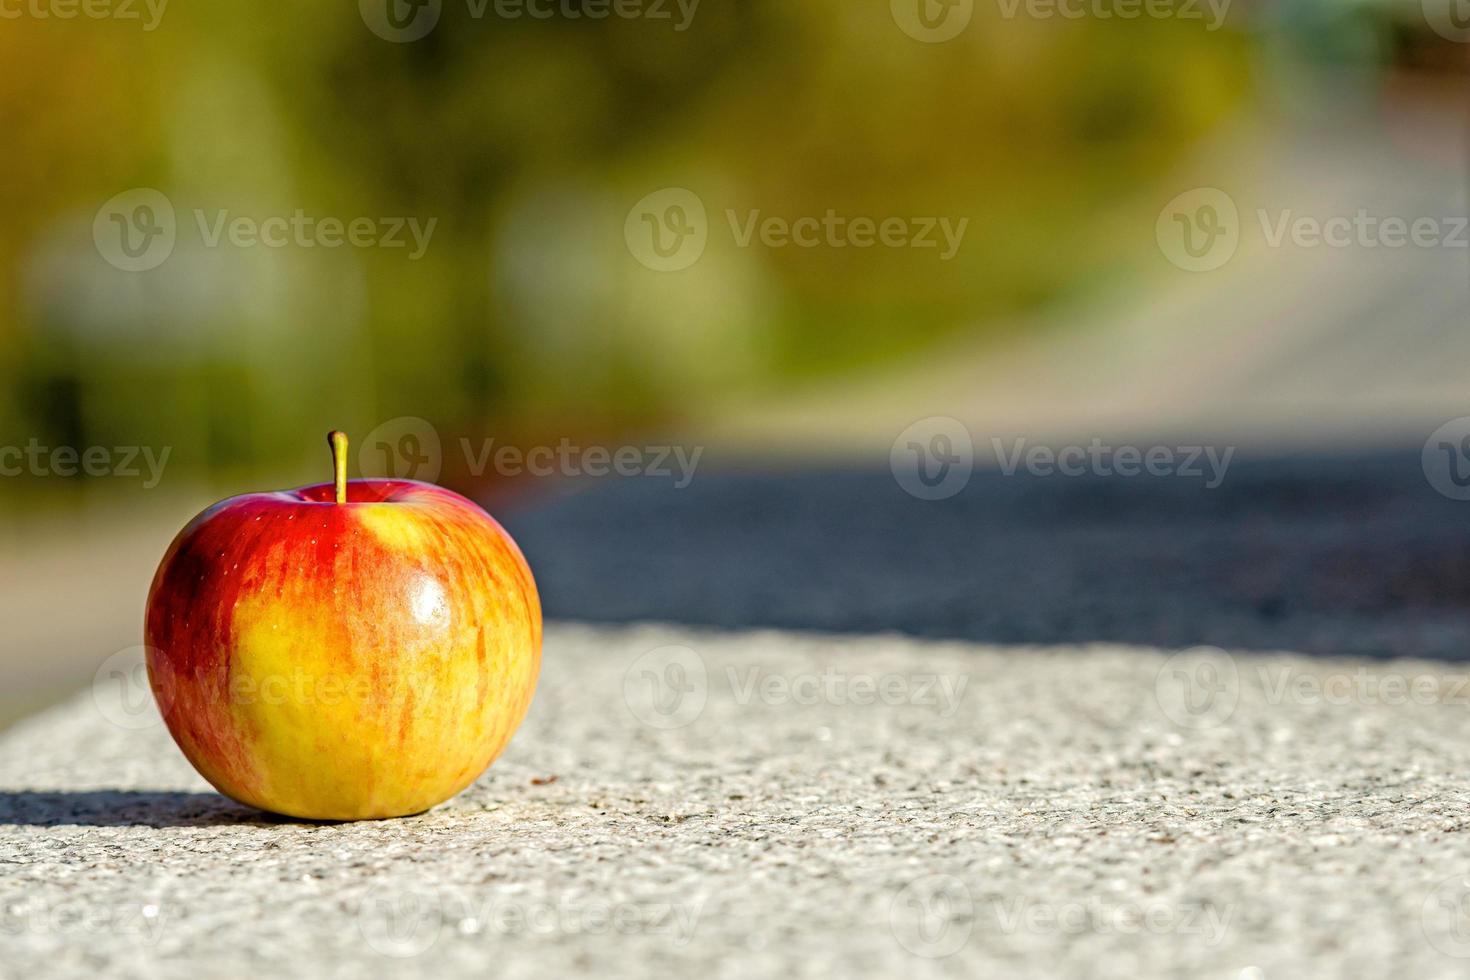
column 349, row 650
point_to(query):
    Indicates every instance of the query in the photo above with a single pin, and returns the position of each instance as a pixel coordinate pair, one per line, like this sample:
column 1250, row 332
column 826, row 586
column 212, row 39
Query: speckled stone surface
column 761, row 804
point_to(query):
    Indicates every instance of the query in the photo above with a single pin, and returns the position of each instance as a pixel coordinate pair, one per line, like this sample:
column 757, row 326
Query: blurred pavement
column 1062, row 814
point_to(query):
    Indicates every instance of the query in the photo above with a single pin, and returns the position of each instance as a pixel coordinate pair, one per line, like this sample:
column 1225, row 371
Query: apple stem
column 337, row 439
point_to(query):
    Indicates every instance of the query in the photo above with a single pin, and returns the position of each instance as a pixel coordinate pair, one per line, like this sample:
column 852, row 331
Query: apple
column 343, row 651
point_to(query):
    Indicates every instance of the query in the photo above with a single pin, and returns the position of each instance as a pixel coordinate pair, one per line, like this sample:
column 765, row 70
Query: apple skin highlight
column 343, row 661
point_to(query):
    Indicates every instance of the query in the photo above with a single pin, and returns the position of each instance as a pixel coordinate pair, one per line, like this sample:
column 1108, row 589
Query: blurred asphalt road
column 1344, row 555
column 1336, row 555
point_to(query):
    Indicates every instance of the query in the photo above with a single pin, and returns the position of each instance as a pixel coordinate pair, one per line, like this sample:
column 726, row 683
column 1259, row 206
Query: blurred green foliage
column 528, row 141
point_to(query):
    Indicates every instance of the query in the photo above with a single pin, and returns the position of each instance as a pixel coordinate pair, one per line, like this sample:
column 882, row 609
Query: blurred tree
column 526, row 142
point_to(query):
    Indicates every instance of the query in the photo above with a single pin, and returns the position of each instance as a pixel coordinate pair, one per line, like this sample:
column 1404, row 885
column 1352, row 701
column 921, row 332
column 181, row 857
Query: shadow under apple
column 127, row 808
